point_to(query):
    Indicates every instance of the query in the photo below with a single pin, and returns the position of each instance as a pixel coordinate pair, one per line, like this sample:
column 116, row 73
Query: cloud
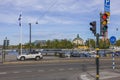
column 56, row 16
column 9, row 19
column 115, row 7
column 44, row 7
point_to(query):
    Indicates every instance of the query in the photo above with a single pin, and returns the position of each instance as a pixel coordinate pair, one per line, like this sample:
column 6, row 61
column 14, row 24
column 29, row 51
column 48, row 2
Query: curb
column 42, row 62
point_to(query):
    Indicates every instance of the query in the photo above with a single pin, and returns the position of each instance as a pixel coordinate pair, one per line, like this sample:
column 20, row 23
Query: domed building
column 78, row 40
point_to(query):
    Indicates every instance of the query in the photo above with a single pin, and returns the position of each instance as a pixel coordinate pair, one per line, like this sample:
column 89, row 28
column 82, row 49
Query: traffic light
column 93, row 28
column 104, row 20
column 8, row 42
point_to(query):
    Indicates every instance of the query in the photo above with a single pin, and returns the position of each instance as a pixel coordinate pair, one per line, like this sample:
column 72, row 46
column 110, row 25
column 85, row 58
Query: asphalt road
column 53, row 71
column 49, row 71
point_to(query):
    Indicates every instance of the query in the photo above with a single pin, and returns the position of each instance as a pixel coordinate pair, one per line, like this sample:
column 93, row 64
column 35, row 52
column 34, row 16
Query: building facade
column 78, row 40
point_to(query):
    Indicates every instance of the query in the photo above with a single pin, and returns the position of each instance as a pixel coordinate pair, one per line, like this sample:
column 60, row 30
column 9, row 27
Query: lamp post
column 30, row 36
column 20, row 24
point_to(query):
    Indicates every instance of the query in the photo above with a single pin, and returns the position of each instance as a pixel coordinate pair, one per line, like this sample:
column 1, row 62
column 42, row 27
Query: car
column 117, row 53
column 67, row 55
column 93, row 55
column 33, row 55
column 75, row 54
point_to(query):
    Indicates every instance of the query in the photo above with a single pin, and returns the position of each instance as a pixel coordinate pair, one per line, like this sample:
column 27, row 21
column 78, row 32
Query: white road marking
column 84, row 77
column 61, row 69
column 70, row 69
column 41, row 70
column 28, row 71
column 16, row 72
column 51, row 70
column 3, row 72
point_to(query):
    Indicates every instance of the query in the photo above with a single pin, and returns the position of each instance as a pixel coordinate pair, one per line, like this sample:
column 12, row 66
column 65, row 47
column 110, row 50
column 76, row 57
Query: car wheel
column 22, row 58
column 37, row 58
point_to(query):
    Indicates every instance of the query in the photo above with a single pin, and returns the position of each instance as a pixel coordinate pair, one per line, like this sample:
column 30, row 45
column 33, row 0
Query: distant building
column 78, row 40
column 40, row 42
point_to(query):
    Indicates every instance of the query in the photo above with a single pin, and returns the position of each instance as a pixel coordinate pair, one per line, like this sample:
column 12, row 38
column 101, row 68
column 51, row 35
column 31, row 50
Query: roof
column 78, row 38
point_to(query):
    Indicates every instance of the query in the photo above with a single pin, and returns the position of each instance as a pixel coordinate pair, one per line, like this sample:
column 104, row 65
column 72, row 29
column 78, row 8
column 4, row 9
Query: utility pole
column 30, row 37
column 30, row 25
column 20, row 42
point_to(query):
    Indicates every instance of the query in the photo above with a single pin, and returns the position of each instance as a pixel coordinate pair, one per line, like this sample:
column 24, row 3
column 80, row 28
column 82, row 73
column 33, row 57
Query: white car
column 33, row 55
column 93, row 55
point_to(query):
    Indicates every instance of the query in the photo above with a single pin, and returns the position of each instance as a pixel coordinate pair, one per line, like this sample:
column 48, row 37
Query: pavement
column 104, row 75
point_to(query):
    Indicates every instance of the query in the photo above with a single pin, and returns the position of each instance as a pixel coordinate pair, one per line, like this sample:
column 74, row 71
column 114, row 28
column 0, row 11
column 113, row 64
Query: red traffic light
column 104, row 16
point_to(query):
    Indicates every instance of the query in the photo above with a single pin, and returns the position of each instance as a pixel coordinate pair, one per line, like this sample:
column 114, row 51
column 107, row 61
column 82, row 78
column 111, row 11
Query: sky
column 57, row 19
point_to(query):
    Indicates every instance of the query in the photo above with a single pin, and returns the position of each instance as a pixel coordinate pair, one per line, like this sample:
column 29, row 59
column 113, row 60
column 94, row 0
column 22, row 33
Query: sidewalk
column 104, row 75
column 117, row 78
column 117, row 71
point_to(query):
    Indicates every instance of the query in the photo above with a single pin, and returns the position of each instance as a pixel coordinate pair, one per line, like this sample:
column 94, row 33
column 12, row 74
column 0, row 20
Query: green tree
column 90, row 43
column 104, row 44
column 118, row 43
column 57, row 44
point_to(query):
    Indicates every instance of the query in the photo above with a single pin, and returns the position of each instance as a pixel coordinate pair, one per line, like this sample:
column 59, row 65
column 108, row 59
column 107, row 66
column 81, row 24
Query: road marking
column 3, row 72
column 16, row 72
column 70, row 69
column 51, row 70
column 84, row 77
column 41, row 70
column 28, row 71
column 61, row 69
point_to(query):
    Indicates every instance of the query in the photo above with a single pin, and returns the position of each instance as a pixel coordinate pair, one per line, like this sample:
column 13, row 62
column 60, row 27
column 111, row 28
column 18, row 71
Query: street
column 51, row 71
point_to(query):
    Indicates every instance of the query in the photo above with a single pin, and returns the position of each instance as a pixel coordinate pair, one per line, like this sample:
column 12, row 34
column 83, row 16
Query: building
column 78, row 40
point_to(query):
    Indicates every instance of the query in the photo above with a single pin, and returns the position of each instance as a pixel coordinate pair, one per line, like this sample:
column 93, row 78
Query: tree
column 118, row 43
column 57, row 44
column 104, row 44
column 90, row 43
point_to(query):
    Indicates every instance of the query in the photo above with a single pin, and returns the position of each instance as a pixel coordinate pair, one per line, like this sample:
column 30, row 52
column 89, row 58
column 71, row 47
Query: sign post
column 113, row 41
column 107, row 6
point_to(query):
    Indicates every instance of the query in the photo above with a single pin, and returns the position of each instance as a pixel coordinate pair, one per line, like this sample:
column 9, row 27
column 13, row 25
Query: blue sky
column 57, row 19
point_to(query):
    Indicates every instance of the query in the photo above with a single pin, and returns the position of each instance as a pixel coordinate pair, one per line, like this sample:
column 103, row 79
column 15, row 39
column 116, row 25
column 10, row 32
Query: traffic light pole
column 5, row 46
column 97, row 56
column 93, row 29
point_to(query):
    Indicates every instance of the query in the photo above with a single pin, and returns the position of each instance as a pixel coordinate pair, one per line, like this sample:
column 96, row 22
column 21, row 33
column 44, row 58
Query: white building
column 78, row 40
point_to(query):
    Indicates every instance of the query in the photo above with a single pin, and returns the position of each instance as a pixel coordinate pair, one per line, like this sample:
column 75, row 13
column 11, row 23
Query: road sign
column 107, row 6
column 112, row 39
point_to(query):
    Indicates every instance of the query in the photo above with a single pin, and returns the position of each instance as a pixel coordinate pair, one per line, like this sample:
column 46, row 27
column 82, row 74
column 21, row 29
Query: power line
column 48, row 9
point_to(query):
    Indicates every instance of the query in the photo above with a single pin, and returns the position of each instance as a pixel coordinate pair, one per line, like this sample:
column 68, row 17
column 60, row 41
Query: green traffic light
column 105, row 28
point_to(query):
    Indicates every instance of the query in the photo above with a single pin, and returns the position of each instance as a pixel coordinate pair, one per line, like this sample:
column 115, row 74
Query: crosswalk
column 39, row 71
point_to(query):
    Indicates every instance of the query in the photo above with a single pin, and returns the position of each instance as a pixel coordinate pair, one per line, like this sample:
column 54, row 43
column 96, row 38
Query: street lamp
column 20, row 24
column 30, row 36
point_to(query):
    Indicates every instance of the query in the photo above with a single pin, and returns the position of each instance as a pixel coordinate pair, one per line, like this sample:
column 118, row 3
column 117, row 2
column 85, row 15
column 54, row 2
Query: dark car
column 117, row 53
column 75, row 54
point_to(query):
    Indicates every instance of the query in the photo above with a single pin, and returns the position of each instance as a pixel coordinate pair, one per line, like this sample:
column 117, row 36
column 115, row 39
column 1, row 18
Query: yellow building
column 83, row 47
